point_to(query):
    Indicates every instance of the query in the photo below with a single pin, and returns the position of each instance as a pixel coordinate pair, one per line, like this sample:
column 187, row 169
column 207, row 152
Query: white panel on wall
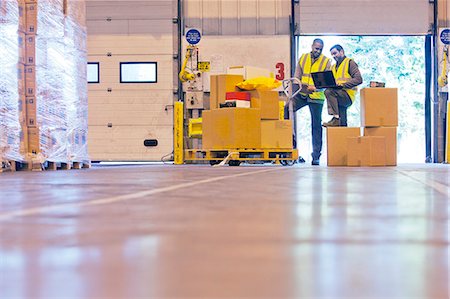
column 248, row 22
column 267, row 17
column 258, row 51
column 129, row 45
column 229, row 18
column 110, row 73
column 364, row 17
column 211, row 17
column 129, row 10
column 125, row 143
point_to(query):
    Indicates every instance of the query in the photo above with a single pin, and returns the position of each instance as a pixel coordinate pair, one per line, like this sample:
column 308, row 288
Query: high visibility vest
column 318, row 66
column 342, row 76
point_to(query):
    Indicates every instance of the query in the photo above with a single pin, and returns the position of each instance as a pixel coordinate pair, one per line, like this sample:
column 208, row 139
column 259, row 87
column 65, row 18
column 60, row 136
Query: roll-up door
column 364, row 17
column 132, row 43
column 238, row 17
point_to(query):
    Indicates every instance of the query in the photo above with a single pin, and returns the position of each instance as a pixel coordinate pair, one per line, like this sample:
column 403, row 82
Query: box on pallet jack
column 231, row 128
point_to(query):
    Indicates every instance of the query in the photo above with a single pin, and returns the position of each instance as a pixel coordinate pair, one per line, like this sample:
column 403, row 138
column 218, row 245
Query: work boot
column 334, row 122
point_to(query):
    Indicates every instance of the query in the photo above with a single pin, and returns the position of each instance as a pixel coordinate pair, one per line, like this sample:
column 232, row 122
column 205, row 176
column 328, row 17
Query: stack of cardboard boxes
column 257, row 127
column 50, row 89
column 378, row 144
column 32, row 131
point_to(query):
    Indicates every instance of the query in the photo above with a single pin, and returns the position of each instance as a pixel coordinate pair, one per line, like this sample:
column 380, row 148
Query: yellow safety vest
column 318, row 66
column 342, row 76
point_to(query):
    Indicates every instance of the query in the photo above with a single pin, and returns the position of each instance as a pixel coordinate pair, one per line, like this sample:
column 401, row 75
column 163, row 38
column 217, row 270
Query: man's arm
column 355, row 74
column 298, row 72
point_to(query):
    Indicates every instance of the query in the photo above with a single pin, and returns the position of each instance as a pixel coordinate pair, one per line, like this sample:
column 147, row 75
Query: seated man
column 347, row 75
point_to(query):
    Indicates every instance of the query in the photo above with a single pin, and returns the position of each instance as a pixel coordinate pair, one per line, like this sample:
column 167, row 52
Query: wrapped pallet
column 12, row 139
column 61, row 87
column 75, row 91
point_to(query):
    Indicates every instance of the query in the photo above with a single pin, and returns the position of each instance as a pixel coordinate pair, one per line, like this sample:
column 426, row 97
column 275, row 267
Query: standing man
column 309, row 63
column 347, row 75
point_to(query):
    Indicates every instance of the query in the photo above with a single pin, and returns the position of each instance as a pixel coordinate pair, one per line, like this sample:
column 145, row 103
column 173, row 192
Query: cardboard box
column 268, row 102
column 390, row 133
column 30, row 80
column 30, row 49
column 366, row 151
column 337, row 144
column 31, row 18
column 276, row 134
column 33, row 140
column 249, row 72
column 31, row 111
column 379, row 107
column 220, row 85
column 231, row 128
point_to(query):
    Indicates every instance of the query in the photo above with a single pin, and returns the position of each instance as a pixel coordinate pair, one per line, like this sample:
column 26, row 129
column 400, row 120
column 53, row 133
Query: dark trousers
column 338, row 101
column 315, row 109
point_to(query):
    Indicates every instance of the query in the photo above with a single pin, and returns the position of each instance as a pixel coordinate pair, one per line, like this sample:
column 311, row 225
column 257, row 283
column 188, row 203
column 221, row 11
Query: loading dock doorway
column 397, row 60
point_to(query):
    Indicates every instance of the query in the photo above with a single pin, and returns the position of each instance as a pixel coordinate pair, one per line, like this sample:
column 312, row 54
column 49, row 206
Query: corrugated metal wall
column 238, row 17
column 364, row 17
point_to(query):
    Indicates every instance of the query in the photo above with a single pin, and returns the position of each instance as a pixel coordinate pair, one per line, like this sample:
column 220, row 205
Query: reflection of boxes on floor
column 276, row 134
column 249, row 72
column 337, row 144
column 390, row 133
column 366, row 151
column 231, row 128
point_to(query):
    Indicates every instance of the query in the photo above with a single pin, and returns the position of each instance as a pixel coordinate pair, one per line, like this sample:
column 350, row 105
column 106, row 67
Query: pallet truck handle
column 287, row 87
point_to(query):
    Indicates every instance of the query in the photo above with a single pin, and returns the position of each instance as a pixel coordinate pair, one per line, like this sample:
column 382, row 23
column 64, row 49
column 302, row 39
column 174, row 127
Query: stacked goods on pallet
column 12, row 102
column 257, row 127
column 49, row 134
column 50, row 91
column 75, row 91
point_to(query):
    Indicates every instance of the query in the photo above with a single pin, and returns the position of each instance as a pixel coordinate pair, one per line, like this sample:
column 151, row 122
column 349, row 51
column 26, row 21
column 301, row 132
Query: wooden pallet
column 262, row 155
column 66, row 166
column 11, row 165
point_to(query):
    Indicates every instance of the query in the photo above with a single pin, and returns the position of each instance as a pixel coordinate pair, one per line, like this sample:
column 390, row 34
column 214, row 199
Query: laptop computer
column 324, row 80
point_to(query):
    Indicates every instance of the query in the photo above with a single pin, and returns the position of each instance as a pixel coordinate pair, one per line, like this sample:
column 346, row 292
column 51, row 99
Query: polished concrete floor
column 164, row 231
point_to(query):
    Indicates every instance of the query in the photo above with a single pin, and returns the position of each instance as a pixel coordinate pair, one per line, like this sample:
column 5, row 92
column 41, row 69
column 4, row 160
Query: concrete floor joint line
column 441, row 188
column 39, row 210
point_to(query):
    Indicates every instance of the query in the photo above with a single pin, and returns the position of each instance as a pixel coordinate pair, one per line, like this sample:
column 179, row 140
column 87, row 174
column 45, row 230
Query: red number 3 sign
column 280, row 71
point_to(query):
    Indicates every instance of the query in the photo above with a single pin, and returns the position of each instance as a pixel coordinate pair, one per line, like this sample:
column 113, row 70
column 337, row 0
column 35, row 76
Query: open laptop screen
column 324, row 80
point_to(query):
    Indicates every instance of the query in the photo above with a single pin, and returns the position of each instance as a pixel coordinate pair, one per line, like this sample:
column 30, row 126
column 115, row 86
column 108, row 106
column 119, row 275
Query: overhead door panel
column 364, row 17
column 123, row 115
column 238, row 17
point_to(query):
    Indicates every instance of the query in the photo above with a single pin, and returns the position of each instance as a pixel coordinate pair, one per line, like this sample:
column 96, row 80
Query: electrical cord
column 170, row 155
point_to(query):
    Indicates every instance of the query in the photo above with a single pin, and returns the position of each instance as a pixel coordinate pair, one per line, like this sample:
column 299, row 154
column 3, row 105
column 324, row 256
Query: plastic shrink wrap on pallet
column 61, row 86
column 12, row 140
column 51, row 118
column 76, row 80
